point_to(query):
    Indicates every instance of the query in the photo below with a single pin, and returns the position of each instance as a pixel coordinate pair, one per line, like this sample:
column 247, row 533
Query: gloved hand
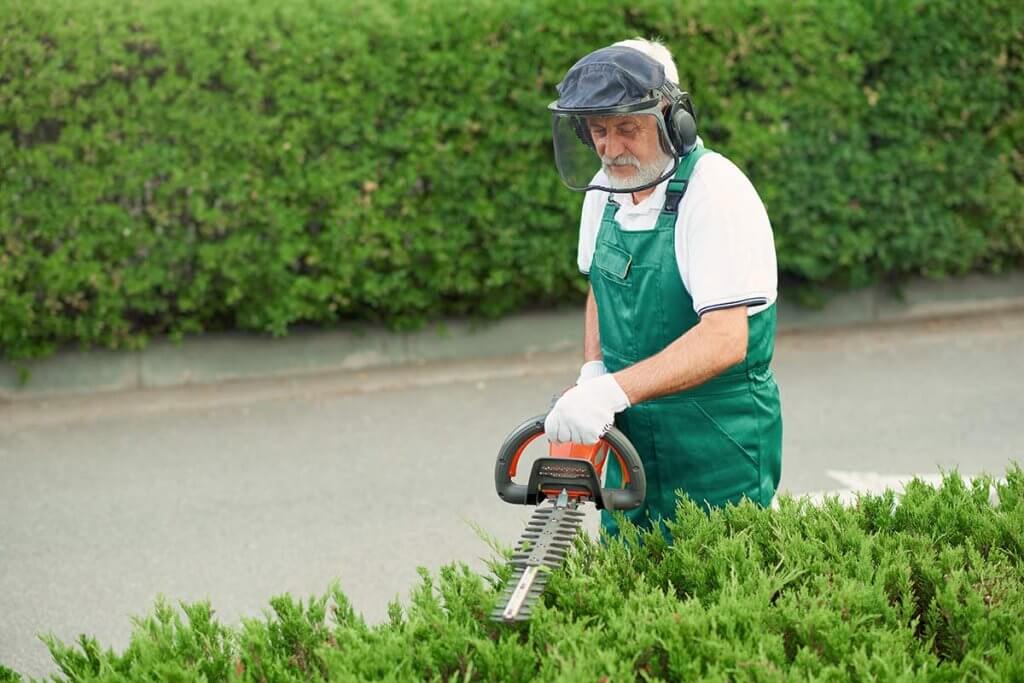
column 590, row 370
column 585, row 412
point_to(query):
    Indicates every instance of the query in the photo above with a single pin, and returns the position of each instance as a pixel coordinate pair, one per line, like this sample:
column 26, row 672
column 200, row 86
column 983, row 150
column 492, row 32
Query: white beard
column 645, row 173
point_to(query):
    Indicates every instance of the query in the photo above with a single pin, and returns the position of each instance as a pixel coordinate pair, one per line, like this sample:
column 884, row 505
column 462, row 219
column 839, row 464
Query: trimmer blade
column 542, row 547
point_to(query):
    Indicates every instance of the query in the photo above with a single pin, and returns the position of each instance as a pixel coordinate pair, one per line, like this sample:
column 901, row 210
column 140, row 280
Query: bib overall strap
column 610, row 207
column 677, row 187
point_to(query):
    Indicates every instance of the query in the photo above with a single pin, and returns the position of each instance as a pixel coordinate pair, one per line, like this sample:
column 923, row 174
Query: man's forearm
column 591, row 335
column 718, row 342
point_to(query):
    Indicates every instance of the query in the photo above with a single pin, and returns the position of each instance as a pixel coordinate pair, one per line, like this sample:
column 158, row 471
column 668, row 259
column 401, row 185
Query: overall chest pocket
column 630, row 315
column 613, row 263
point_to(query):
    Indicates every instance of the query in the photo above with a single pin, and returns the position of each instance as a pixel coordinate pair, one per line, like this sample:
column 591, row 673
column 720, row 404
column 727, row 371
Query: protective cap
column 611, row 79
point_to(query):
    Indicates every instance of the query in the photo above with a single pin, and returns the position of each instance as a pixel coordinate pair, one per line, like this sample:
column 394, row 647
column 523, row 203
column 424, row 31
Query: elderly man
column 680, row 318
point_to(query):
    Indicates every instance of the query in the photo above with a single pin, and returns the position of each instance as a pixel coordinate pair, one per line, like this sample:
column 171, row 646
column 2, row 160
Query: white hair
column 655, row 51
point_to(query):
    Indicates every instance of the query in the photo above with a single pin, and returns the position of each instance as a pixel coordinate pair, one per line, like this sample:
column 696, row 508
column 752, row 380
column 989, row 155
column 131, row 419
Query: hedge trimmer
column 559, row 486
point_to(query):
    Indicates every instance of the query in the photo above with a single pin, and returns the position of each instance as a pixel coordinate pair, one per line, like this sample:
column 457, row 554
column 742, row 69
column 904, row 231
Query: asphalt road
column 240, row 492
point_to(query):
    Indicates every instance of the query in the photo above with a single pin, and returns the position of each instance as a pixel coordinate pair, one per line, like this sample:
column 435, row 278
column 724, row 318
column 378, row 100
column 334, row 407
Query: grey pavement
column 239, row 491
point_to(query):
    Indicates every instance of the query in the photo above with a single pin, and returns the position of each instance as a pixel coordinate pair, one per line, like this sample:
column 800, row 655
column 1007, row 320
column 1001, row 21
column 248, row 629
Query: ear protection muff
column 681, row 121
column 579, row 125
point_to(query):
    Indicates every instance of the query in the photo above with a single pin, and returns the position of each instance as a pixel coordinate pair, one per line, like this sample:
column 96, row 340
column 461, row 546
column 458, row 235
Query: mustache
column 621, row 160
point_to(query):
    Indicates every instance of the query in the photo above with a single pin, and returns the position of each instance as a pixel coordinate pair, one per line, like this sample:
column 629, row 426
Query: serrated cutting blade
column 542, row 547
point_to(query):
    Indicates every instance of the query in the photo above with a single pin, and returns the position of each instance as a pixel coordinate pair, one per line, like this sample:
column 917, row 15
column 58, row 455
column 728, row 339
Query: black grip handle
column 627, row 498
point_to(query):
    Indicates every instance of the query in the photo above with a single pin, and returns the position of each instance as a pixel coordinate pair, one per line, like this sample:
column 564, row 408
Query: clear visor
column 613, row 152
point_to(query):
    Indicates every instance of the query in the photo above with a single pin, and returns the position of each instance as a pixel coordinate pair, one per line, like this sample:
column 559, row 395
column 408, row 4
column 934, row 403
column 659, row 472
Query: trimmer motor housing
column 577, row 477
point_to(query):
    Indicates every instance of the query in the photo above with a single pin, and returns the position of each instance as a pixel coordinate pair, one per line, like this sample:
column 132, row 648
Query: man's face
column 629, row 148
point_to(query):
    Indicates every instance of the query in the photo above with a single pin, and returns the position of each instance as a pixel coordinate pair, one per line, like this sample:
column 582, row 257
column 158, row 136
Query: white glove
column 584, row 413
column 590, row 370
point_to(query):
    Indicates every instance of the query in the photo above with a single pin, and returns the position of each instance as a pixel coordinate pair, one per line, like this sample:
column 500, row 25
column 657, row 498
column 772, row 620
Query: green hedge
column 171, row 166
column 927, row 588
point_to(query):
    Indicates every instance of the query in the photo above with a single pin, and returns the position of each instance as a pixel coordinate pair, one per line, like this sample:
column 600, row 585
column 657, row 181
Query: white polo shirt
column 725, row 249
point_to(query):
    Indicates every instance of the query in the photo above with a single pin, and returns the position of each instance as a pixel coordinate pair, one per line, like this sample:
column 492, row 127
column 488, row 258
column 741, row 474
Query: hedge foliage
column 171, row 166
column 929, row 587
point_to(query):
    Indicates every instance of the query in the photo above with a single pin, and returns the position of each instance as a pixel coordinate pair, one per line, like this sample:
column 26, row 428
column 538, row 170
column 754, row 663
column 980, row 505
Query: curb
column 213, row 358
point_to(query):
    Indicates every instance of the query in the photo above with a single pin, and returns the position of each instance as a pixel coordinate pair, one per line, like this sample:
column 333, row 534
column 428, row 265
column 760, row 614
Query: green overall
column 717, row 442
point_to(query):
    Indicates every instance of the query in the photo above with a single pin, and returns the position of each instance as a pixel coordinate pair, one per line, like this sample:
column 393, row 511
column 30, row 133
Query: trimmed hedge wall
column 929, row 588
column 175, row 166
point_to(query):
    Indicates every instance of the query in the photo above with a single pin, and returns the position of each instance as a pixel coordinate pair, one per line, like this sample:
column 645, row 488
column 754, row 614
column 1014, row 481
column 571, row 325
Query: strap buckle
column 674, row 194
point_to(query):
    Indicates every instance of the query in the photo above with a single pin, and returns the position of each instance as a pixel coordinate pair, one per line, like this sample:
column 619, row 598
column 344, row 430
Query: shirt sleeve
column 590, row 221
column 725, row 249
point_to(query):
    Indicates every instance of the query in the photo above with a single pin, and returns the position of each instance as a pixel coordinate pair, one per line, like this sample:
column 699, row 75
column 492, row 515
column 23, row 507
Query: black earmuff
column 681, row 122
column 579, row 125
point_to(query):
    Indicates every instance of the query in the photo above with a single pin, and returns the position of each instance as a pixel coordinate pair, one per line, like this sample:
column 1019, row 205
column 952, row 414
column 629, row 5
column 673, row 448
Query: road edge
column 212, row 358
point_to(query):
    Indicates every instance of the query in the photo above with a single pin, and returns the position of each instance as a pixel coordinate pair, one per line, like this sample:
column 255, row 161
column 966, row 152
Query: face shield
column 616, row 151
column 608, row 125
